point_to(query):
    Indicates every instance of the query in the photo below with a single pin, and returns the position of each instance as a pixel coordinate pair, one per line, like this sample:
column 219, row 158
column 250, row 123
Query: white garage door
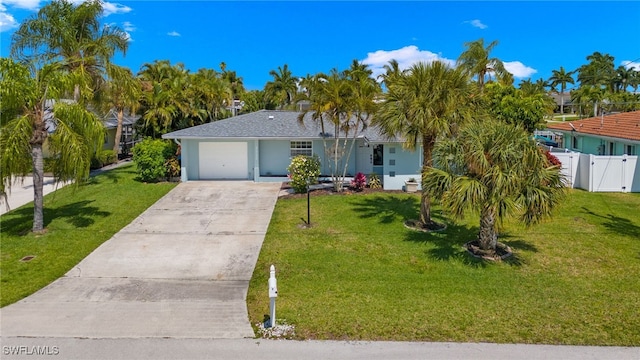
column 222, row 160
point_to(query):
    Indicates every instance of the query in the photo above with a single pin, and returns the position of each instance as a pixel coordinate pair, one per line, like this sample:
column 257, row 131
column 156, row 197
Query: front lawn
column 359, row 274
column 78, row 220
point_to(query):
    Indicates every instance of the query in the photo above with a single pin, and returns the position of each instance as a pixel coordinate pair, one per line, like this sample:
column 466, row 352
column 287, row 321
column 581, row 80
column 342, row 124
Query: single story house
column 612, row 134
column 110, row 122
column 259, row 146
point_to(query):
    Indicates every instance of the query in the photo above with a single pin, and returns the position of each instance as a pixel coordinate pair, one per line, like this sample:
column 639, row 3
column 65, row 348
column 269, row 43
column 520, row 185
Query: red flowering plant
column 359, row 182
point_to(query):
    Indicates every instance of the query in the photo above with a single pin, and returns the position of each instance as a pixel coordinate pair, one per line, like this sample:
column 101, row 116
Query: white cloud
column 20, row 4
column 108, row 7
column 7, row 22
column 631, row 65
column 518, row 69
column 405, row 57
column 173, row 33
column 128, row 26
column 114, row 8
column 477, row 23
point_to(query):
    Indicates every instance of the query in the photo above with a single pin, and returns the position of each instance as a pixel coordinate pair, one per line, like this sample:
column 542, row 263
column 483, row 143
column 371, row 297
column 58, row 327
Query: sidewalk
column 141, row 348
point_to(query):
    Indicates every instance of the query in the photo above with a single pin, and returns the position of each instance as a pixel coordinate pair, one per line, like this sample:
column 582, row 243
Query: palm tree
column 624, row 77
column 562, row 78
column 283, row 88
column 475, row 61
column 494, row 169
column 600, row 71
column 70, row 34
column 590, row 96
column 121, row 93
column 391, row 72
column 213, row 91
column 424, row 103
column 331, row 106
column 30, row 118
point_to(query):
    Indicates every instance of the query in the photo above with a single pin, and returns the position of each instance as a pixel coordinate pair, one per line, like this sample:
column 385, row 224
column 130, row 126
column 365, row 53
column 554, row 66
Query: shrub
column 150, row 156
column 553, row 160
column 172, row 166
column 374, row 181
column 102, row 158
column 359, row 182
column 302, row 169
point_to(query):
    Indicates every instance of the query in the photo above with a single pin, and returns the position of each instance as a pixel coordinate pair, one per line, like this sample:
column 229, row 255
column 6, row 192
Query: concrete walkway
column 180, row 270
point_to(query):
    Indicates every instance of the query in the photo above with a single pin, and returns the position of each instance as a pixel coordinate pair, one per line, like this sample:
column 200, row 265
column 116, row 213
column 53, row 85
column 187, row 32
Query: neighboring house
column 563, row 100
column 613, row 134
column 601, row 153
column 259, row 146
column 110, row 121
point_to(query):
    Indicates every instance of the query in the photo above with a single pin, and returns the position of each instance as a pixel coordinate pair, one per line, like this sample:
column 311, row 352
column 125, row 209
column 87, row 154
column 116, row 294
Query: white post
column 273, row 294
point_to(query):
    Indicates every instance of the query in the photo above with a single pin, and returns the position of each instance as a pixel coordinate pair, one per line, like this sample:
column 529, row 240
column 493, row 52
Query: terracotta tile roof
column 622, row 125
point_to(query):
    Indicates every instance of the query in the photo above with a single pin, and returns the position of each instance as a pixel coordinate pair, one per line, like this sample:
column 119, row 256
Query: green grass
column 359, row 274
column 77, row 220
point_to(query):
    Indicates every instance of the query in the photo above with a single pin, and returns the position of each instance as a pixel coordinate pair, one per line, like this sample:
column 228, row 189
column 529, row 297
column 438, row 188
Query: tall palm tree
column 494, row 169
column 600, row 71
column 70, row 34
column 30, row 117
column 331, row 106
column 426, row 102
column 121, row 93
column 475, row 61
column 562, row 78
column 283, row 88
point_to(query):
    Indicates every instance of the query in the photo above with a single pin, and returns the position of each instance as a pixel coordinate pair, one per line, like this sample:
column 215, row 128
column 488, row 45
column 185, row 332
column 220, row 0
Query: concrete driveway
column 180, row 270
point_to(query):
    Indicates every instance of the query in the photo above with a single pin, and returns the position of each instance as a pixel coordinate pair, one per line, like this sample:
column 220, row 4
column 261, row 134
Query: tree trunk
column 562, row 101
column 428, row 142
column 116, row 145
column 38, row 197
column 488, row 236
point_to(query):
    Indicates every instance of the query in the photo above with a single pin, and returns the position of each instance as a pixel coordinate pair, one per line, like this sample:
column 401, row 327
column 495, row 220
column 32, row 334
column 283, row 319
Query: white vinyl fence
column 597, row 173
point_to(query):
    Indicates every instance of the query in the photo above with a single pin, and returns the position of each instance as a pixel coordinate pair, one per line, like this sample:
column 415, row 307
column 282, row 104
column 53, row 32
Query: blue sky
column 253, row 38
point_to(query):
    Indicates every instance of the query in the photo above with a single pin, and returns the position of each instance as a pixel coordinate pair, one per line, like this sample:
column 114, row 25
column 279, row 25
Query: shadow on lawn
column 616, row 224
column 79, row 214
column 448, row 243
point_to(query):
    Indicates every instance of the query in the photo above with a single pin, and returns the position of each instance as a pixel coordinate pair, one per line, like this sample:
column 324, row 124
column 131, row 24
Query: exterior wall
column 595, row 145
column 268, row 161
column 275, row 157
column 400, row 165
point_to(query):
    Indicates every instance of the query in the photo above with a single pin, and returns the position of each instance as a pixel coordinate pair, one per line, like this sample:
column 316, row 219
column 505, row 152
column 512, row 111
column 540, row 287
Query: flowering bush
column 359, row 182
column 303, row 169
column 553, row 160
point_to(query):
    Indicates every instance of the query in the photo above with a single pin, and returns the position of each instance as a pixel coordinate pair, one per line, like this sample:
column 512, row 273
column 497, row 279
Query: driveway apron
column 180, row 270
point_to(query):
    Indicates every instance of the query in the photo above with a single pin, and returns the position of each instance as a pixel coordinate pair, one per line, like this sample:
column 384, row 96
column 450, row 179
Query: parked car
column 545, row 141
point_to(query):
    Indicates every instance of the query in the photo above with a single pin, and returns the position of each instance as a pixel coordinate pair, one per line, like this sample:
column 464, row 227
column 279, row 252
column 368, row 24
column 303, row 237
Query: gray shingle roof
column 263, row 124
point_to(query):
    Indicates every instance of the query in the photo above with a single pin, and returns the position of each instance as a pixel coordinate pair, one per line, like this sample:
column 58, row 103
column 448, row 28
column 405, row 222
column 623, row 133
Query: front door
column 364, row 160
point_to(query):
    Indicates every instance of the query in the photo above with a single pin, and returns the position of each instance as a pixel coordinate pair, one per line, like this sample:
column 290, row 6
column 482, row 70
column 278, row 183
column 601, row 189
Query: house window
column 392, row 162
column 630, row 149
column 301, row 148
column 392, row 150
column 377, row 155
column 574, row 142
